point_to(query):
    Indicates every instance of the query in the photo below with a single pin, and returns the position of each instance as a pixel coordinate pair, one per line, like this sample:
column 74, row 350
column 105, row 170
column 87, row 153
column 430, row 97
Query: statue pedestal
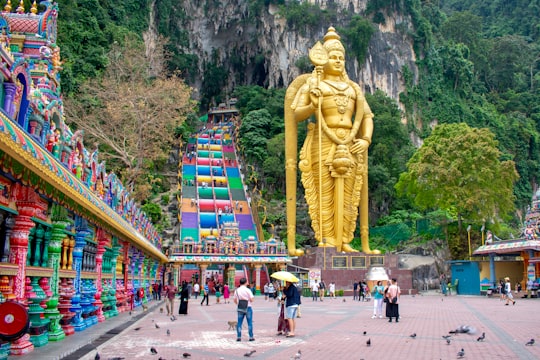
column 346, row 268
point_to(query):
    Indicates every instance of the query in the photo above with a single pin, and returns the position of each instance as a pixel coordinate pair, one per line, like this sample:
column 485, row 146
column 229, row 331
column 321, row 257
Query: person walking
column 362, row 291
column 393, row 295
column 219, row 292
column 315, row 290
column 377, row 294
column 292, row 302
column 155, row 289
column 205, row 292
column 184, row 297
column 283, row 324
column 170, row 293
column 265, row 292
column 226, row 293
column 243, row 298
column 355, row 290
column 508, row 290
column 196, row 289
column 332, row 290
column 322, row 289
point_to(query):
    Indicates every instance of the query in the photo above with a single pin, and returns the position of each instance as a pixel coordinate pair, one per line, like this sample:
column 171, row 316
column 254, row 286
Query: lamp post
column 324, row 253
column 469, row 238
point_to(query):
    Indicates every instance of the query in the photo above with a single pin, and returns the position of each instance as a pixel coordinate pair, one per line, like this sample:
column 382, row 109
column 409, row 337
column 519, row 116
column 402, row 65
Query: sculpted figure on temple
column 334, row 157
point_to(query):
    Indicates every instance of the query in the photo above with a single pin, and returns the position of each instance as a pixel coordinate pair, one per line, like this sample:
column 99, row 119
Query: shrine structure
column 74, row 247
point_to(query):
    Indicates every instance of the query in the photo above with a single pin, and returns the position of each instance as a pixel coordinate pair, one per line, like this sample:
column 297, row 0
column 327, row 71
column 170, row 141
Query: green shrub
column 165, row 198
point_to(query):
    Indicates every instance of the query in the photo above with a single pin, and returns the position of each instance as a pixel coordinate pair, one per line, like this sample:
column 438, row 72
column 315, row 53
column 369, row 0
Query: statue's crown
column 332, row 41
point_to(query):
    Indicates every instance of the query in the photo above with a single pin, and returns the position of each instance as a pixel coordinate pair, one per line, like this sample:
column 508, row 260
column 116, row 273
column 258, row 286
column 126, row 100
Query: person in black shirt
column 292, row 302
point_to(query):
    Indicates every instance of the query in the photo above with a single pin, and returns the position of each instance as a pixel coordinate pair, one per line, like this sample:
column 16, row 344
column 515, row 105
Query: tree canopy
column 458, row 169
column 132, row 111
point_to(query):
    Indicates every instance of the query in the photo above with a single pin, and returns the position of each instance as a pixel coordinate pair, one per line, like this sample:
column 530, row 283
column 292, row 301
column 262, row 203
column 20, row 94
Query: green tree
column 132, row 112
column 358, row 34
column 388, row 154
column 254, row 135
column 458, row 169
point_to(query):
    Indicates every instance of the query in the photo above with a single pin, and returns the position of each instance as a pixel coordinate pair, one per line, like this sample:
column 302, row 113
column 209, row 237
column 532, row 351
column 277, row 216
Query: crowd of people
column 286, row 294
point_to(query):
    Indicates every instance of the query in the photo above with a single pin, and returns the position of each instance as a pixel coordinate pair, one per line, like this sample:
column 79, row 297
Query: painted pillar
column 81, row 225
column 10, row 90
column 101, row 241
column 39, row 236
column 59, row 223
column 231, row 274
column 492, row 277
column 129, row 297
column 144, row 282
column 202, row 276
column 10, row 222
column 18, row 252
column 114, row 259
column 258, row 278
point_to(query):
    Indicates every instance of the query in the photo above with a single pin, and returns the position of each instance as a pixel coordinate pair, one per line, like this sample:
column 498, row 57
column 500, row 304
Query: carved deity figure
column 334, row 157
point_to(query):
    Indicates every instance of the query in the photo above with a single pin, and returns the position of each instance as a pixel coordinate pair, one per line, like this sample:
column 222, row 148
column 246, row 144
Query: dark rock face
column 261, row 49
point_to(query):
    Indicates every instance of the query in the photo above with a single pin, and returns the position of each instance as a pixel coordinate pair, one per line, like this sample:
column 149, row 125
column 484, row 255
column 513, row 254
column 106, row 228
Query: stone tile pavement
column 332, row 329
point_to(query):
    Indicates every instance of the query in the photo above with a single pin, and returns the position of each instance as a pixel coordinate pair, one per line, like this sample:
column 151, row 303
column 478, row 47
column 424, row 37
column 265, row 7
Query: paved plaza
column 332, row 329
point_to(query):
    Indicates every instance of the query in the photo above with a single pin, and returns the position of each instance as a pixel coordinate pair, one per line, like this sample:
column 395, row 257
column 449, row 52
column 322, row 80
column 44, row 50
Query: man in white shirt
column 242, row 295
column 196, row 289
column 315, row 291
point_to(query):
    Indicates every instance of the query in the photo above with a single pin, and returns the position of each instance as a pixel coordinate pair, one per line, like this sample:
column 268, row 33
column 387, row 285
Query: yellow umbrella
column 285, row 276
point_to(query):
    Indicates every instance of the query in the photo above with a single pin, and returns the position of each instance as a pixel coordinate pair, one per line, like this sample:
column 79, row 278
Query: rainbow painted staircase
column 212, row 189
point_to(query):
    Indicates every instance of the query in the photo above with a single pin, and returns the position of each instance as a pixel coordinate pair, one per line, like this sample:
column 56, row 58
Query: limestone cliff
column 256, row 46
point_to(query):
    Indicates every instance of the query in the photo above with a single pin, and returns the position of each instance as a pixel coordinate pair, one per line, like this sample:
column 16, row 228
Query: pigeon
column 153, row 350
column 413, row 335
column 161, row 310
column 464, row 329
column 446, row 337
column 368, row 343
column 461, row 353
column 137, row 329
column 298, row 355
column 144, row 307
column 157, row 326
column 173, row 318
column 530, row 343
column 130, row 313
column 168, row 332
column 448, row 341
column 249, row 353
column 365, row 333
column 186, row 355
column 344, row 300
column 481, row 338
column 160, row 358
column 97, row 357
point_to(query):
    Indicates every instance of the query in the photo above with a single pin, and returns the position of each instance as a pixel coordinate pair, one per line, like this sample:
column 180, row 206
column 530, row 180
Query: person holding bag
column 243, row 298
column 392, row 307
column 377, row 295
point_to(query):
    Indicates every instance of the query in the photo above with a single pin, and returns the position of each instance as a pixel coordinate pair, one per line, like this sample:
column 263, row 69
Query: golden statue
column 334, row 157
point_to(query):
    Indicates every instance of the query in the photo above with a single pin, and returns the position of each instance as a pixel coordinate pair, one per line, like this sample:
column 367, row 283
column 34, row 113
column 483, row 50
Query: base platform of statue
column 346, row 268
